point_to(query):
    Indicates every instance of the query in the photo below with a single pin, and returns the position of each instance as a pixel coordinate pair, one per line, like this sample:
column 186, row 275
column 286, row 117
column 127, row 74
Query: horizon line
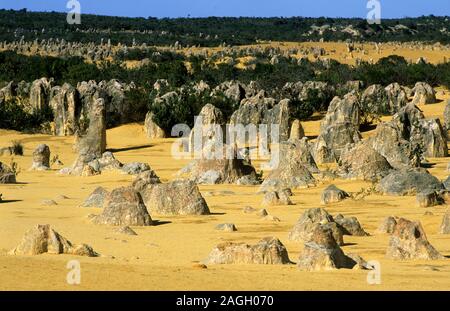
column 218, row 16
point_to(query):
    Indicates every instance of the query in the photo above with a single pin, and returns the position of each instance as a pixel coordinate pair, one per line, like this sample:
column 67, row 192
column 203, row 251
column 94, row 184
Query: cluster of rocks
column 71, row 105
column 319, row 217
column 43, row 239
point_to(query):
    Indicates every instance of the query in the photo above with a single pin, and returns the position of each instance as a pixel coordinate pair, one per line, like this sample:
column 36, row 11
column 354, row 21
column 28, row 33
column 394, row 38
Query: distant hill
column 214, row 31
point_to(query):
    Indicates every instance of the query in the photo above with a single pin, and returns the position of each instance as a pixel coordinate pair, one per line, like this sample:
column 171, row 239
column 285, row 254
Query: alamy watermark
column 374, row 14
column 74, row 275
column 74, row 15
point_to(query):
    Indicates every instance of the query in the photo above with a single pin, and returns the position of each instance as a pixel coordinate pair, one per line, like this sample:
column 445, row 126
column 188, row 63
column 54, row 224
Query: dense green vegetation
column 270, row 77
column 213, row 31
column 13, row 117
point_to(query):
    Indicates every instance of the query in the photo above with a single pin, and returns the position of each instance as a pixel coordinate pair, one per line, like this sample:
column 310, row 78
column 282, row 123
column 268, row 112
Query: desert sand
column 164, row 257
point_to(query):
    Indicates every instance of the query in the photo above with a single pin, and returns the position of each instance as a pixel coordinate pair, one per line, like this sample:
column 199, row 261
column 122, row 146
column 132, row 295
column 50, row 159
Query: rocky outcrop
column 43, row 239
column 268, row 251
column 124, row 207
column 41, row 158
column 39, row 95
column 321, row 252
column 339, row 128
column 423, row 94
column 409, row 182
column 179, row 197
column 66, row 105
column 397, row 97
column 361, row 161
column 408, row 241
column 310, row 219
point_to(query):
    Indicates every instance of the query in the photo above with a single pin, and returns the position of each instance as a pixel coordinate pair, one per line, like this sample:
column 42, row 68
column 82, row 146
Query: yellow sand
column 163, row 257
column 338, row 51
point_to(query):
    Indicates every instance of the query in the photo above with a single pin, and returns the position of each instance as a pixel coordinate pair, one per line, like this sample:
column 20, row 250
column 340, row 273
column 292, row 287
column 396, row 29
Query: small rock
column 226, row 227
column 333, row 194
column 125, row 230
column 272, row 218
column 428, row 199
column 262, row 213
column 48, row 202
column 248, row 210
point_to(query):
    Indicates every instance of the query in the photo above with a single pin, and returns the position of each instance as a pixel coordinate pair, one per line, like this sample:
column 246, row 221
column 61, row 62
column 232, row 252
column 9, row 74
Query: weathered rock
column 423, row 94
column 321, row 252
column 124, row 207
column 95, row 140
column 292, row 174
column 248, row 210
column 332, row 141
column 409, row 182
column 66, row 105
column 389, row 142
column 144, row 180
column 41, row 158
column 397, row 97
column 96, row 198
column 428, row 199
column 297, row 131
column 272, row 198
column 363, row 162
column 125, row 230
column 218, row 164
column 226, row 227
column 209, row 126
column 447, row 115
column 7, row 176
column 152, row 130
column 269, row 251
column 39, row 95
column 179, row 197
column 388, row 225
column 374, row 99
column 350, row 225
column 261, row 213
column 135, row 168
column 433, row 139
column 333, row 194
column 43, row 239
column 445, row 225
column 303, row 229
column 410, row 242
column 48, row 202
column 298, row 149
